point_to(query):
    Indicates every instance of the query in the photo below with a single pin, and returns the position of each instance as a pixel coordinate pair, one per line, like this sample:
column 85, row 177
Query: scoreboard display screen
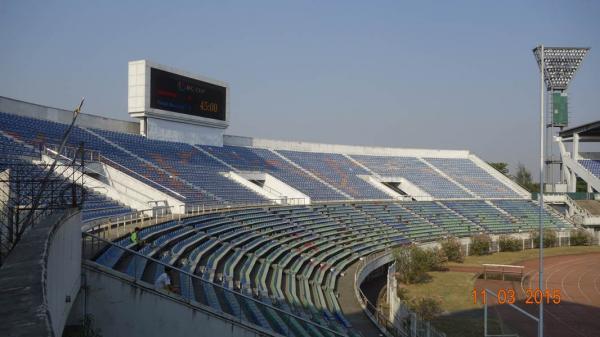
column 176, row 93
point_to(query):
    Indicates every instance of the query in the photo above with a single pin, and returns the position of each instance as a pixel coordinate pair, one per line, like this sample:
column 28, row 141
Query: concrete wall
column 347, row 149
column 39, row 277
column 590, row 155
column 132, row 187
column 181, row 132
column 32, row 110
column 162, row 129
column 121, row 307
column 63, row 271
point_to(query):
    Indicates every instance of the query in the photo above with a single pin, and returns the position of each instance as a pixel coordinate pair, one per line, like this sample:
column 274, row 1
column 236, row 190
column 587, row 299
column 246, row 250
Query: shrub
column 402, row 292
column 510, row 244
column 581, row 237
column 413, row 263
column 407, row 271
column 452, row 249
column 427, row 308
column 480, row 244
column 549, row 238
column 438, row 259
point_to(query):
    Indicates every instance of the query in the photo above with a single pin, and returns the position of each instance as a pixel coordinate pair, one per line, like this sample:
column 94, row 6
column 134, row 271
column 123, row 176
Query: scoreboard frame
column 140, row 100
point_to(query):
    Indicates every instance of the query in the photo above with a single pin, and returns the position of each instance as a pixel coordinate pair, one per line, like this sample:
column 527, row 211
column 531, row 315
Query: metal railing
column 117, row 226
column 189, row 210
column 371, row 310
column 415, row 327
column 188, row 282
column 70, row 152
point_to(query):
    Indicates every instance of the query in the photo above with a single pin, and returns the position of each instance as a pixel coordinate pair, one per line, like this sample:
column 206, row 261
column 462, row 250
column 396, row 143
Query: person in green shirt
column 135, row 237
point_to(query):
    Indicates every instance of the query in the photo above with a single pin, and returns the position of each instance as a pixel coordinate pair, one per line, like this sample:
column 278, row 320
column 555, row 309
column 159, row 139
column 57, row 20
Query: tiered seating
column 527, row 213
column 290, row 257
column 416, row 227
column 338, row 171
column 38, row 132
column 9, row 148
column 191, row 175
column 473, row 177
column 485, row 215
column 445, row 218
column 17, row 157
column 416, row 172
column 254, row 159
column 591, row 165
column 98, row 206
column 186, row 162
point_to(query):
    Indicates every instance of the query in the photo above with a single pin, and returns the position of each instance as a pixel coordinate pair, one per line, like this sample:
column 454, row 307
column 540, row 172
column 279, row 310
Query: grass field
column 452, row 288
column 462, row 317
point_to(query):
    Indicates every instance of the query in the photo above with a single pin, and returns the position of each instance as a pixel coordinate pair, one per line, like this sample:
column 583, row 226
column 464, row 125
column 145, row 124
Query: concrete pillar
column 143, row 126
column 573, row 182
column 576, row 146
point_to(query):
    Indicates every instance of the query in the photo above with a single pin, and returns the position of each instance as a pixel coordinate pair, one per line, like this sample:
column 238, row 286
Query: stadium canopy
column 587, row 132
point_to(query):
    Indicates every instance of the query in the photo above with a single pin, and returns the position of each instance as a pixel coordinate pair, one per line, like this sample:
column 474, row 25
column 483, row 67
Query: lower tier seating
column 289, row 258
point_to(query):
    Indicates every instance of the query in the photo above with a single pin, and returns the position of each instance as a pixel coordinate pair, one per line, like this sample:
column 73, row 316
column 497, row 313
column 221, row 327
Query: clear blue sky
column 446, row 74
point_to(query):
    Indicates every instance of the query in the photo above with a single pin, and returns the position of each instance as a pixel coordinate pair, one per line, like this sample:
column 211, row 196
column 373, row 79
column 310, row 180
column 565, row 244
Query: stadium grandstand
column 166, row 225
column 261, row 234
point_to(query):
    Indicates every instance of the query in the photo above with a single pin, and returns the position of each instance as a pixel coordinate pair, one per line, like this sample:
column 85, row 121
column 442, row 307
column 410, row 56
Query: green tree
column 501, row 167
column 480, row 244
column 550, row 238
column 523, row 178
column 581, row 185
column 413, row 263
column 453, row 249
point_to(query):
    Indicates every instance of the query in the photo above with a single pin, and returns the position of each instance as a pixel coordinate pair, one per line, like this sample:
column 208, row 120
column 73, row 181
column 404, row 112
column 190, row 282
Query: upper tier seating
column 188, row 173
column 254, row 159
column 13, row 156
column 474, row 178
column 338, row 171
column 186, row 162
column 416, row 172
column 591, row 165
column 38, row 132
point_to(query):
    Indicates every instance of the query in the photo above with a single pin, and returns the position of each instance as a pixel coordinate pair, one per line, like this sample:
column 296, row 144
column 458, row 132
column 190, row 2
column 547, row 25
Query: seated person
column 164, row 280
column 135, row 237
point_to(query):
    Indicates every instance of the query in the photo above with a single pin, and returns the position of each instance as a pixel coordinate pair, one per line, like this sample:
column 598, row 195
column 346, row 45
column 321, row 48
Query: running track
column 578, row 314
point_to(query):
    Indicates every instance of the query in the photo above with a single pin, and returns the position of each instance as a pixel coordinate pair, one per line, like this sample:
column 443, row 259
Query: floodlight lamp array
column 560, row 65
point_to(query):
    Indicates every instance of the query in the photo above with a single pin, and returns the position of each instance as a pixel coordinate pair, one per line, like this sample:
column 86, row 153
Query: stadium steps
column 289, row 161
column 147, row 162
column 443, row 174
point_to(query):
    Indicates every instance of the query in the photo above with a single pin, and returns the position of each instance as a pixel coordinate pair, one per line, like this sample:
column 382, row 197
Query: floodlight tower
column 557, row 67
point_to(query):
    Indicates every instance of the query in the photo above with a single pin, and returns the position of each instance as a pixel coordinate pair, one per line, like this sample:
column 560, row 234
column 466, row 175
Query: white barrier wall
column 32, row 110
column 184, row 133
column 63, row 271
column 335, row 148
column 120, row 307
column 40, row 279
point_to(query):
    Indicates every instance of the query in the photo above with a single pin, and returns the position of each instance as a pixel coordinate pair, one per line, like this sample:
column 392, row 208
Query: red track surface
column 578, row 314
